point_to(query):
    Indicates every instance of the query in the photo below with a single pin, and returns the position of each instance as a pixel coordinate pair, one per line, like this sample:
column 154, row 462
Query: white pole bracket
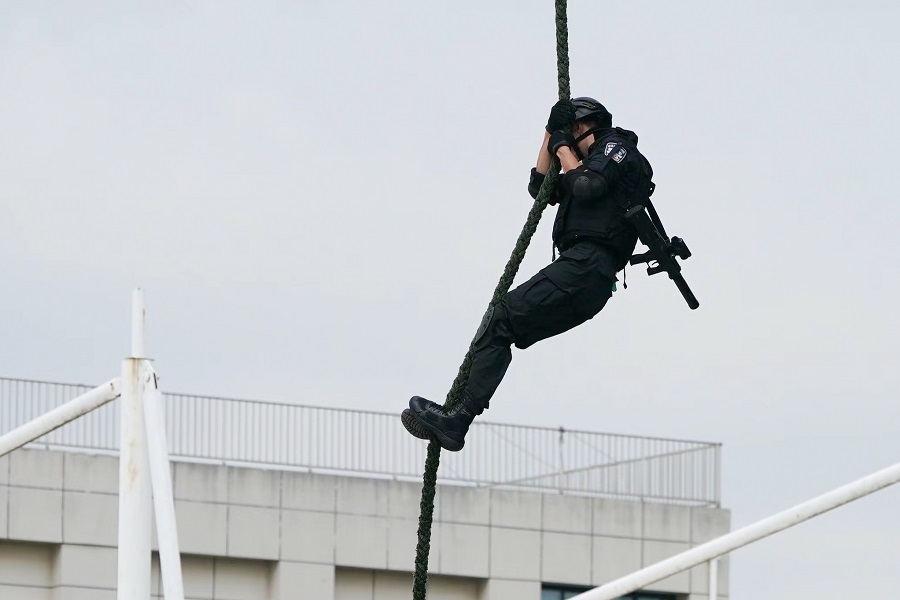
column 59, row 416
column 163, row 501
column 746, row 535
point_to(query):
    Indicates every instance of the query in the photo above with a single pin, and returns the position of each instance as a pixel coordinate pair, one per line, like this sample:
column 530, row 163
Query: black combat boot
column 429, row 421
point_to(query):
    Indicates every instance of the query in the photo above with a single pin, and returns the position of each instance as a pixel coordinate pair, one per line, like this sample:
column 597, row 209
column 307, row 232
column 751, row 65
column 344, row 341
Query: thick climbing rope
column 432, row 461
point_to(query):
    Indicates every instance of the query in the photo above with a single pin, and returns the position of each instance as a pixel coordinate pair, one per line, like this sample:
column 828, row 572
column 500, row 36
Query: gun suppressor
column 662, row 251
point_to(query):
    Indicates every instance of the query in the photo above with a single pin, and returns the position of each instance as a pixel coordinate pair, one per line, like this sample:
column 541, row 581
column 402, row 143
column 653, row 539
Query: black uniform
column 595, row 242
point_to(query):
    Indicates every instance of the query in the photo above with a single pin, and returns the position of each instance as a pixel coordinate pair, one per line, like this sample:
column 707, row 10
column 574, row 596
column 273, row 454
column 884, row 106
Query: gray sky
column 319, row 198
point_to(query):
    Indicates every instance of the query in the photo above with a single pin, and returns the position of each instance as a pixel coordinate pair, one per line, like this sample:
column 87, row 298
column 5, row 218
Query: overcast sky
column 319, row 198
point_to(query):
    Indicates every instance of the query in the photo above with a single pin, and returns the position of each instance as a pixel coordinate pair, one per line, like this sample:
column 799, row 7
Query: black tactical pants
column 563, row 294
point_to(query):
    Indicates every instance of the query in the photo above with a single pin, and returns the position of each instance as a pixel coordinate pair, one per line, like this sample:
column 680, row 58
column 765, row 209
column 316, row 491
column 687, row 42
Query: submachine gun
column 663, row 251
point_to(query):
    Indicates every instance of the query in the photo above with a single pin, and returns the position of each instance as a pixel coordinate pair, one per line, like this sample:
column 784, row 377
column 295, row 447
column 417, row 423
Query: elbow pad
column 586, row 185
column 534, row 183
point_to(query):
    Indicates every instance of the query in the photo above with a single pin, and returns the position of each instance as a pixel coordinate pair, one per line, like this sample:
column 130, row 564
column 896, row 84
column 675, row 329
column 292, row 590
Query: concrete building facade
column 266, row 534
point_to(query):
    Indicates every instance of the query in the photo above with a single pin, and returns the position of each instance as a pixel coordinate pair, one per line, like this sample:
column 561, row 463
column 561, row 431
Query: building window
column 559, row 592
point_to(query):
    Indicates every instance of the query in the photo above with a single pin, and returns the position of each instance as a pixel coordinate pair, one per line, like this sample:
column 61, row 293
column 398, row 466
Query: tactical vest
column 603, row 219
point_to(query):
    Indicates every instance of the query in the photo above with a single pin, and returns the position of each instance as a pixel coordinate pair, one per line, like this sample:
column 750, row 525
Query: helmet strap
column 581, row 137
column 585, row 134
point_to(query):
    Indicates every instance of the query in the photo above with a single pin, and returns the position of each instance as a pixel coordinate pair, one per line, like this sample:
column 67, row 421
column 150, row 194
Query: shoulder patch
column 620, row 155
column 609, row 148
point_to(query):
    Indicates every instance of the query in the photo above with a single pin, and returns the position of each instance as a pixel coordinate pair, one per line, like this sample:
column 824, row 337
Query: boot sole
column 412, row 425
column 424, row 431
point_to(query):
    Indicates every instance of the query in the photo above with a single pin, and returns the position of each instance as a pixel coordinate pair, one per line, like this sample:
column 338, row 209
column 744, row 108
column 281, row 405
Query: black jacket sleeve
column 615, row 167
column 534, row 186
column 534, row 182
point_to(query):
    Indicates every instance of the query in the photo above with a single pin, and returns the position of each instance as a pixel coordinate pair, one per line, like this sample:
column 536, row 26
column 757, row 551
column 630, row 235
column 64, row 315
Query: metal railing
column 203, row 428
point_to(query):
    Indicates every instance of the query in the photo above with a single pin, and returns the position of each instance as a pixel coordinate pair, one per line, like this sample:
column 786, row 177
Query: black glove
column 534, row 183
column 562, row 115
column 558, row 139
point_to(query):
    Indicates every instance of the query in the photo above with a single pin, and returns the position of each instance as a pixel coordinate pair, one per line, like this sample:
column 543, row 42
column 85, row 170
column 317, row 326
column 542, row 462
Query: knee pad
column 485, row 321
column 494, row 328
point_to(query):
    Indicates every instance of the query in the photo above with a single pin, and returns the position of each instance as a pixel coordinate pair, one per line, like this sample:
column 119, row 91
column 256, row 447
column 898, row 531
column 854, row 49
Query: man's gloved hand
column 558, row 139
column 562, row 115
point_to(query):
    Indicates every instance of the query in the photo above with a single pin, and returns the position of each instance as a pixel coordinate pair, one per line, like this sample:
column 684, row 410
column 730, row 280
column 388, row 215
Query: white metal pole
column 138, row 314
column 135, row 503
column 714, row 579
column 746, row 535
column 59, row 416
column 163, row 502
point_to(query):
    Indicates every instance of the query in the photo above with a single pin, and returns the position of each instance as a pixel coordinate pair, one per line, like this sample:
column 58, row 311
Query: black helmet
column 588, row 107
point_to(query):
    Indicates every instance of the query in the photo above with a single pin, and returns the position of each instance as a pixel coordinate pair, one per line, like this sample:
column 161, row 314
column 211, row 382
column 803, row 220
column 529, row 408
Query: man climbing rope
column 604, row 173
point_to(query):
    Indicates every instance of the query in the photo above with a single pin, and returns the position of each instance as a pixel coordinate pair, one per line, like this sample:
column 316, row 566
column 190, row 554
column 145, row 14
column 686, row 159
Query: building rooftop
column 374, row 444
